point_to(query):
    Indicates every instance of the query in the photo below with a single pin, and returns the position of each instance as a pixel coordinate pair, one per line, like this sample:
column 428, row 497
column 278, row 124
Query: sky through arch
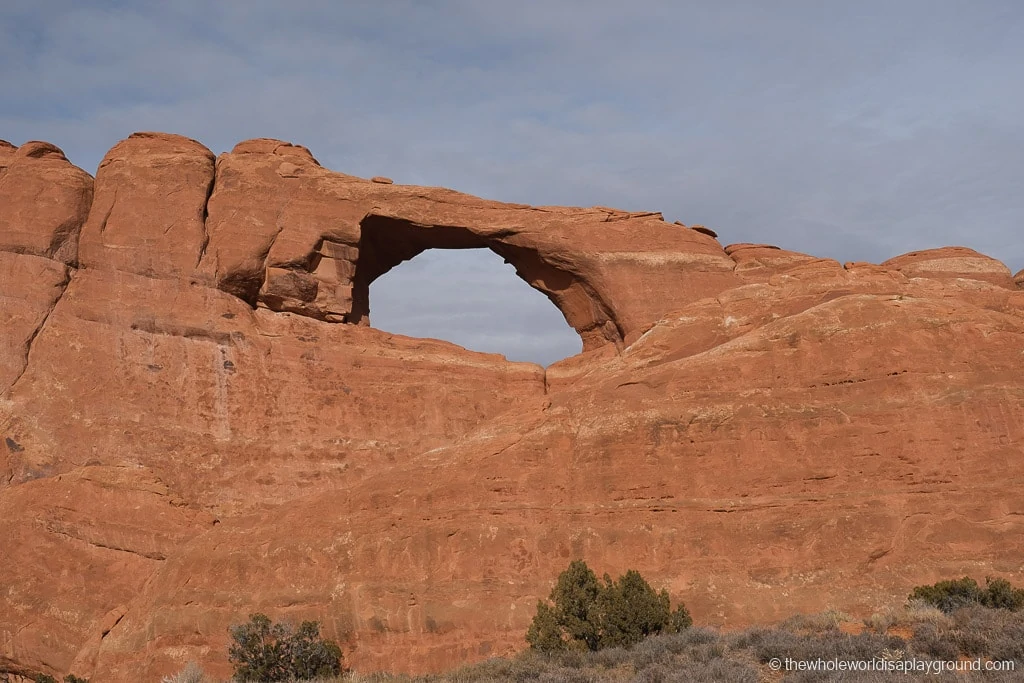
column 472, row 298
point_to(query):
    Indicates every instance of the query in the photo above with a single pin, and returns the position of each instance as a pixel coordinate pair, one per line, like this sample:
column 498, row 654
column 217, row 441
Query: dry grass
column 910, row 616
column 829, row 620
column 192, row 673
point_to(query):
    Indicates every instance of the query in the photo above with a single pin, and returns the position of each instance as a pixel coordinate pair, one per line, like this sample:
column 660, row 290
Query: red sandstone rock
column 707, row 231
column 1019, row 279
column 31, row 286
column 952, row 262
column 760, row 261
column 198, row 424
column 81, row 544
column 337, row 234
column 43, row 201
column 148, row 216
column 37, row 149
column 733, row 248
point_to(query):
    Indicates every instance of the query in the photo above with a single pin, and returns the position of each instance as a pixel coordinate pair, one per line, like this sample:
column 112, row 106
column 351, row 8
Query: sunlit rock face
column 197, row 421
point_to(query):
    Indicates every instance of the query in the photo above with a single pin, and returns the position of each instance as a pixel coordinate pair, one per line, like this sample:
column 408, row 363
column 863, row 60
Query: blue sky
column 856, row 130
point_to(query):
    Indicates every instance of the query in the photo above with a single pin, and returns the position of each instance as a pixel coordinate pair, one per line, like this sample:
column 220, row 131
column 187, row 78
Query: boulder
column 149, row 213
column 44, row 199
column 952, row 262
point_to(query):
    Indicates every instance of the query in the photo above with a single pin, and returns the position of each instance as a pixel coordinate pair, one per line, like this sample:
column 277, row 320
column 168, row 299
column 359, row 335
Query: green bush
column 951, row 595
column 1002, row 595
column 263, row 651
column 584, row 613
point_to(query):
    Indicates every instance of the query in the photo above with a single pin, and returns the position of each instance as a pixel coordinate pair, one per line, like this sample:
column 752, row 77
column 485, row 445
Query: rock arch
column 386, row 242
column 315, row 240
column 266, row 223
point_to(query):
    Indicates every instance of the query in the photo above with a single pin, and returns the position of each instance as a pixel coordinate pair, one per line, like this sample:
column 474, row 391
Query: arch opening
column 464, row 289
column 385, row 242
column 472, row 298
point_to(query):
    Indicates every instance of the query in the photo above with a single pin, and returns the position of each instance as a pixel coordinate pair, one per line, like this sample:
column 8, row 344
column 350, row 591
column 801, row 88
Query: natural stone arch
column 284, row 233
column 386, row 242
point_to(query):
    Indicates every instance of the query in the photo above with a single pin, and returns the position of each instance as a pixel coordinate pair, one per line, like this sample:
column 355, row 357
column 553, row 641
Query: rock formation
column 197, row 422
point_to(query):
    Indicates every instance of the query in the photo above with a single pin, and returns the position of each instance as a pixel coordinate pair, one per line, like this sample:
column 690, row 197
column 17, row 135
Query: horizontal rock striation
column 197, row 421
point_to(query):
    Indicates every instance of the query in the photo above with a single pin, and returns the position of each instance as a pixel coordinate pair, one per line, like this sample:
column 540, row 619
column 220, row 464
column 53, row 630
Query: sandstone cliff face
column 197, row 422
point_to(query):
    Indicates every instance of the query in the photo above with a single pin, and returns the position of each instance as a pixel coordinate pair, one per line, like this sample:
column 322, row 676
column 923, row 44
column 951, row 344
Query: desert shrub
column 628, row 610
column 770, row 643
column 525, row 667
column 265, row 651
column 1001, row 594
column 583, row 613
column 192, row 673
column 706, row 654
column 930, row 641
column 568, row 659
column 951, row 595
column 658, row 673
column 910, row 615
column 564, row 676
column 863, row 646
column 611, row 657
column 880, row 622
column 717, row 671
column 678, row 642
column 767, row 644
column 47, row 678
column 828, row 620
column 981, row 631
column 1008, row 645
column 679, row 619
column 918, row 612
column 650, row 652
column 567, row 622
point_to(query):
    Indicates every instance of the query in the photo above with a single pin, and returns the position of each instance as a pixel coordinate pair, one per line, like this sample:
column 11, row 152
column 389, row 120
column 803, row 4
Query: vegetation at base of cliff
column 988, row 629
column 583, row 613
column 704, row 655
column 950, row 596
column 264, row 652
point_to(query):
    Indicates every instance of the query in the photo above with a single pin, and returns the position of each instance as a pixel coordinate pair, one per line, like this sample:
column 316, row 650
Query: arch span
column 284, row 233
column 386, row 242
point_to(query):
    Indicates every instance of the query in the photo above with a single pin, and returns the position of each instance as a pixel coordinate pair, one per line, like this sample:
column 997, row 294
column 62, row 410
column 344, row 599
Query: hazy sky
column 856, row 130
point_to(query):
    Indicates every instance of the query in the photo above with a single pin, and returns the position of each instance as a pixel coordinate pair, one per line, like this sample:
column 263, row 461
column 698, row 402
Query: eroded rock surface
column 197, row 422
column 953, row 262
column 44, row 201
column 314, row 241
column 149, row 213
